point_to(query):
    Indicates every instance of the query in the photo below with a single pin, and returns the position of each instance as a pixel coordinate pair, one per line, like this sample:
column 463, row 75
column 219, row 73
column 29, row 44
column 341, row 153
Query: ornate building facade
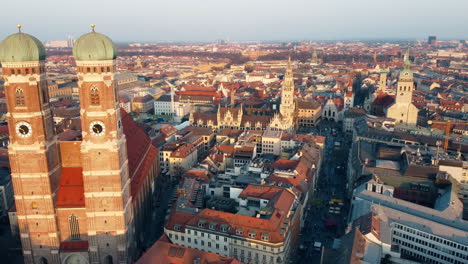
column 77, row 201
column 236, row 117
column 403, row 110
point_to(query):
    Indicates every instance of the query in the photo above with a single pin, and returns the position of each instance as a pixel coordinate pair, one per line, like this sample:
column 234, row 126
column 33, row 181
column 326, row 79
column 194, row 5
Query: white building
column 333, row 110
column 261, row 232
column 413, row 231
column 271, row 142
column 459, row 171
column 162, row 106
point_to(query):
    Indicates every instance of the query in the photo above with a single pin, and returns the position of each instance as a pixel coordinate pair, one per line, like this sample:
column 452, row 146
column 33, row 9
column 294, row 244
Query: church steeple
column 406, row 74
column 403, row 111
column 287, row 95
column 407, row 62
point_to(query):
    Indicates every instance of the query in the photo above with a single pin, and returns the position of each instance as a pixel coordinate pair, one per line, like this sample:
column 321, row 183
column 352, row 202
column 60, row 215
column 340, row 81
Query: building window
column 19, row 97
column 74, row 227
column 94, row 95
column 34, row 205
column 212, row 226
column 252, row 234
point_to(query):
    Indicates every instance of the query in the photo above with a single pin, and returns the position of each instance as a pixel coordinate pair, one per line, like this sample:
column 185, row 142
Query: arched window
column 74, row 227
column 109, row 260
column 19, row 97
column 94, row 95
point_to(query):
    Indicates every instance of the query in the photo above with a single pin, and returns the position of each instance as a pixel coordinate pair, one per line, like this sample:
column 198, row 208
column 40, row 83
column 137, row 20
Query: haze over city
column 242, row 20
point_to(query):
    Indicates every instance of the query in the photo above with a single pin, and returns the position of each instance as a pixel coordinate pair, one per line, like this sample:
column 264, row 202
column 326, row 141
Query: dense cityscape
column 233, row 152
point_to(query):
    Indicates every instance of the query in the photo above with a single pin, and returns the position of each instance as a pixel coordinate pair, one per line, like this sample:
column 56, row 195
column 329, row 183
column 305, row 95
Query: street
column 326, row 213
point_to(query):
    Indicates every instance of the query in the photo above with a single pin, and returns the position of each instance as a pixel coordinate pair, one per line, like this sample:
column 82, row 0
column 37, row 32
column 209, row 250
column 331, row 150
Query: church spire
column 406, row 72
column 407, row 61
column 289, row 70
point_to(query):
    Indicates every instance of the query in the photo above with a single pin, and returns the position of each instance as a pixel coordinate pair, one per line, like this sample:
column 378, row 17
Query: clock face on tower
column 23, row 129
column 97, row 128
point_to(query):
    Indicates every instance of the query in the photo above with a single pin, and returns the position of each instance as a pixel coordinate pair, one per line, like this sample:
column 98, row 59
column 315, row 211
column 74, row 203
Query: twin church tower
column 73, row 199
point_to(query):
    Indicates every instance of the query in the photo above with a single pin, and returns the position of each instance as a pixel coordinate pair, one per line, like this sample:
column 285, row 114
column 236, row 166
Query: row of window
column 427, row 259
column 94, row 69
column 265, row 237
column 432, row 237
column 20, row 99
column 26, row 71
column 427, row 244
column 403, row 88
column 217, row 246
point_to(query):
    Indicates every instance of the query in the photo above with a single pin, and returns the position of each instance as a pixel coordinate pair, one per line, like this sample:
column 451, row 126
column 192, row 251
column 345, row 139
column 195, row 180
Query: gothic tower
column 287, row 106
column 315, row 60
column 403, row 110
column 33, row 151
column 383, row 80
column 103, row 152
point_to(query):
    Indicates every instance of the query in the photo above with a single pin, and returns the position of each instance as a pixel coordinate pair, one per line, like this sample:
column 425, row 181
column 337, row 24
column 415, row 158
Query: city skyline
column 245, row 21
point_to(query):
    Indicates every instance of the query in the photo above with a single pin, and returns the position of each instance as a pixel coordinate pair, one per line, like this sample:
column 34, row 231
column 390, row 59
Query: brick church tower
column 77, row 202
column 103, row 152
column 33, row 150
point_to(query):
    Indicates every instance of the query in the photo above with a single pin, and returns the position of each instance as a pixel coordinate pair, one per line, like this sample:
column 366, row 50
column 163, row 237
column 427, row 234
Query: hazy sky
column 208, row 20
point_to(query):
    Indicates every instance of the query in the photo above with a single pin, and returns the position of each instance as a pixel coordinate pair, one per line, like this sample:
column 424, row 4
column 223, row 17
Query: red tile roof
column 168, row 130
column 183, row 151
column 137, row 142
column 74, row 246
column 280, row 202
column 260, row 191
column 143, row 171
column 71, row 190
column 164, row 252
column 383, row 99
column 195, row 87
column 285, row 164
column 228, row 149
column 201, row 174
column 140, row 152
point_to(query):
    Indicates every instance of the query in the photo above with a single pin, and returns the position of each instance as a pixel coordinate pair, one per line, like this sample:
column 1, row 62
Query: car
column 317, row 246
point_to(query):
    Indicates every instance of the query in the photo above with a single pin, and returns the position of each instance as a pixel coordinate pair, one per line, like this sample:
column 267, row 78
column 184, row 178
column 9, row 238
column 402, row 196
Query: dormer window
column 239, row 231
column 224, row 228
column 212, row 226
column 201, row 223
column 177, row 227
column 252, row 234
column 265, row 236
